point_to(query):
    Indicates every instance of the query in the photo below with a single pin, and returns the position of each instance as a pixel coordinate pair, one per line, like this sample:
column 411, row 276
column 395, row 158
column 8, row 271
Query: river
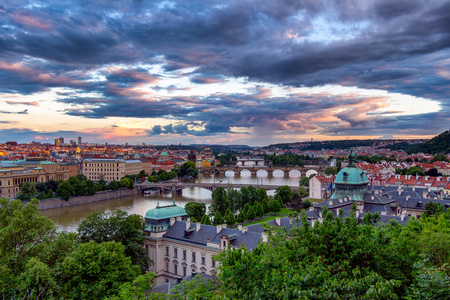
column 68, row 218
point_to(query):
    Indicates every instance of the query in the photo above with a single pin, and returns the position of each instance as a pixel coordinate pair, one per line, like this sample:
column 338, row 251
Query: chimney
column 172, row 221
column 414, row 188
column 402, row 217
column 372, row 197
column 179, row 278
column 357, row 213
column 198, row 225
column 264, row 237
column 244, row 229
column 320, row 214
column 224, row 225
column 188, row 223
column 438, row 178
column 427, row 177
column 407, row 197
column 240, row 227
column 178, row 218
column 311, row 208
column 383, row 213
column 277, row 220
column 219, row 228
column 313, row 221
column 429, row 188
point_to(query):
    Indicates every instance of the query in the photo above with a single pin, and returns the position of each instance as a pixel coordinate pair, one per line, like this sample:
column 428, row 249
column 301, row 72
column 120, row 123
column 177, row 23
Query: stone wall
column 101, row 196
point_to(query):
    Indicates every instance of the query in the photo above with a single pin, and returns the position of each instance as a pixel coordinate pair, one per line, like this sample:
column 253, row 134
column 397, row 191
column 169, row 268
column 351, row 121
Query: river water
column 68, row 218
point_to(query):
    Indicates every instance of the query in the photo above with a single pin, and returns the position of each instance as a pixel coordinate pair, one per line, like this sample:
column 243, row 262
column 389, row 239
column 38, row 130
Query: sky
column 251, row 72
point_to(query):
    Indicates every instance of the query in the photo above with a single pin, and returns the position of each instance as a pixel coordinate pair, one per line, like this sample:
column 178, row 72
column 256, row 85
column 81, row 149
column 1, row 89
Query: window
column 167, row 251
column 175, row 267
column 203, row 259
column 167, row 266
column 224, row 243
column 213, row 263
column 184, row 255
column 184, row 271
column 193, row 256
column 175, row 252
column 146, row 249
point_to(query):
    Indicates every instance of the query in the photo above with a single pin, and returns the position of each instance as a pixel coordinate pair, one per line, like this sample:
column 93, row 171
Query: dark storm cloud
column 398, row 46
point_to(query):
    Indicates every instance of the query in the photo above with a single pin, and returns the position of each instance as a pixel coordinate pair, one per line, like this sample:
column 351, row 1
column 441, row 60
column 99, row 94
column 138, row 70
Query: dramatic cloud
column 229, row 68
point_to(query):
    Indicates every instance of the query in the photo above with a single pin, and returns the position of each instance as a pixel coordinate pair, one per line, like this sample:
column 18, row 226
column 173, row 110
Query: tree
column 433, row 208
column 306, row 204
column 188, row 169
column 284, row 194
column 139, row 288
column 219, row 201
column 195, row 210
column 196, row 288
column 218, row 219
column 258, row 210
column 119, row 227
column 241, row 217
column 274, row 205
column 96, row 271
column 251, row 213
column 229, row 218
column 439, row 157
column 205, row 220
column 27, row 191
column 296, row 201
column 265, row 205
column 330, row 171
column 65, row 190
column 304, row 181
column 36, row 281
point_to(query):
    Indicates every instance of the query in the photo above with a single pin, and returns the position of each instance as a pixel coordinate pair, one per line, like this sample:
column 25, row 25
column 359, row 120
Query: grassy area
column 285, row 211
column 266, row 219
column 282, row 213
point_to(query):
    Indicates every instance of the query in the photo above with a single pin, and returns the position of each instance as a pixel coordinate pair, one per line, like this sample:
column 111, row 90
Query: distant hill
column 440, row 143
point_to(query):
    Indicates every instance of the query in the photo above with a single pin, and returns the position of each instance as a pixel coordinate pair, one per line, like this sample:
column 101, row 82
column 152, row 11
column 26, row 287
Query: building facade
column 13, row 174
column 179, row 248
column 110, row 169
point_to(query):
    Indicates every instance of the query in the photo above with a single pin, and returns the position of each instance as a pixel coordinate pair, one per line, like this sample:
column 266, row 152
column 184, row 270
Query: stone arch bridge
column 306, row 170
column 177, row 187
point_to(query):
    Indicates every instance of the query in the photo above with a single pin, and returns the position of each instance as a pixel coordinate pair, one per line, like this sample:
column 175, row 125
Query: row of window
column 194, row 256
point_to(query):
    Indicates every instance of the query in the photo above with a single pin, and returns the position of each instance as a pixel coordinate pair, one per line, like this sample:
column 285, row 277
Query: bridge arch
column 295, row 173
column 311, row 172
column 262, row 173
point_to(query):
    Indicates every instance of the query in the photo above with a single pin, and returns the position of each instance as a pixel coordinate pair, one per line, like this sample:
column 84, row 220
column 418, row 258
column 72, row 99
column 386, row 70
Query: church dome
column 351, row 181
column 165, row 212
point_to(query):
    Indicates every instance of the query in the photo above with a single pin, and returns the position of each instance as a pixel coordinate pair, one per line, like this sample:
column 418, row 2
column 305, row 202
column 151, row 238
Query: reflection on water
column 68, row 218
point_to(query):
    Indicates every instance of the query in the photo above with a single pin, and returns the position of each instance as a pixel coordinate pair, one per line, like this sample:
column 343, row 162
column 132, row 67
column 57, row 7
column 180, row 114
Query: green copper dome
column 351, row 181
column 165, row 212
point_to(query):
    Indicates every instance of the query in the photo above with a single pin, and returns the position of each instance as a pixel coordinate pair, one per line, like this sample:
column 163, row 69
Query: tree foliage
column 195, row 210
column 119, row 227
column 96, row 271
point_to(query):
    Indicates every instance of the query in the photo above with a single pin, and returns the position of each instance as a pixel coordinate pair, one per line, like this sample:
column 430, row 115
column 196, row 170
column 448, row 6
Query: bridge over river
column 177, row 187
column 306, row 170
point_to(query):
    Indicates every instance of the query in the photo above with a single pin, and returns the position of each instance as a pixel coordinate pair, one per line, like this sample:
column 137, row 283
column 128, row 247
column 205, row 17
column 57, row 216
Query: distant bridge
column 177, row 187
column 304, row 170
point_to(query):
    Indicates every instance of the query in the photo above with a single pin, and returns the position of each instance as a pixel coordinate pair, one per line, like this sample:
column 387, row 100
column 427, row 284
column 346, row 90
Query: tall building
column 79, row 140
column 61, row 140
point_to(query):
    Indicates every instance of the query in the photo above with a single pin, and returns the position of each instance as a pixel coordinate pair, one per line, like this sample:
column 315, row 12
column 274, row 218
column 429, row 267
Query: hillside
column 440, row 143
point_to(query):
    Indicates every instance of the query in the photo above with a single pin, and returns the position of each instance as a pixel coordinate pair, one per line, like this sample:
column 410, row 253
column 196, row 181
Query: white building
column 179, row 247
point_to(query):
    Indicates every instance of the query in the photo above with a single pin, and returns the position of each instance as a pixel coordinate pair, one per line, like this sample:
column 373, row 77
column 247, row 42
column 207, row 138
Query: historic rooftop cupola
column 158, row 219
column 351, row 181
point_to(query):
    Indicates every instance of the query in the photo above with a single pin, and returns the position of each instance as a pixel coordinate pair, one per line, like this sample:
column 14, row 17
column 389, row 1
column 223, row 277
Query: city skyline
column 223, row 72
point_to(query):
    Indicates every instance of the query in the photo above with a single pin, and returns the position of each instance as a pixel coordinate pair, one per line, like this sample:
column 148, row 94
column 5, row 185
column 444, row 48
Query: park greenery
column 225, row 159
column 75, row 186
column 232, row 206
column 287, row 159
column 337, row 258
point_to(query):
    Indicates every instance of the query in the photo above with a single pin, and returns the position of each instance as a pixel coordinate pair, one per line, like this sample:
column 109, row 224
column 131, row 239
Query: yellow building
column 206, row 164
column 13, row 174
column 110, row 169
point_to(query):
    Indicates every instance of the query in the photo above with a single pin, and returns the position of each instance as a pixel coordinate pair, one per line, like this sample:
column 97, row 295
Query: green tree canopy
column 195, row 210
column 119, row 227
column 96, row 271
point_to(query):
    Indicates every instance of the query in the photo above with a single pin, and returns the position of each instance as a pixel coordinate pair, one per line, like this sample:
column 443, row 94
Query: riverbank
column 79, row 200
